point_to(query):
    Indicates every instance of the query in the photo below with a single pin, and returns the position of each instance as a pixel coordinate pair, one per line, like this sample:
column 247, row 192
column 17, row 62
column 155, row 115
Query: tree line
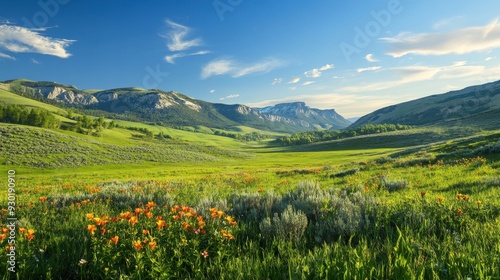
column 16, row 114
column 325, row 135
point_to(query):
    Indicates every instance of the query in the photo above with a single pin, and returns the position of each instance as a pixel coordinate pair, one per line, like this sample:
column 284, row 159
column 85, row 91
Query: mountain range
column 176, row 109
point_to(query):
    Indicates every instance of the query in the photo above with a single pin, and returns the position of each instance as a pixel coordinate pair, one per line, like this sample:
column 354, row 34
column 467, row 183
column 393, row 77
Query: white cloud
column 229, row 97
column 236, row 70
column 326, row 67
column 171, row 58
column 294, row 80
column 177, row 37
column 292, row 88
column 23, row 40
column 277, row 81
column 212, row 91
column 217, row 67
column 373, row 68
column 465, row 40
column 7, row 56
column 489, row 58
column 411, row 74
column 316, row 72
column 313, row 73
column 35, row 61
column 369, row 57
column 308, row 83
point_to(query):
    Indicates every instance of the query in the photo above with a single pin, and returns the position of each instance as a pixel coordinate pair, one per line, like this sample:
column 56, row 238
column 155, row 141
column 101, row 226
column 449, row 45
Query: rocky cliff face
column 67, row 96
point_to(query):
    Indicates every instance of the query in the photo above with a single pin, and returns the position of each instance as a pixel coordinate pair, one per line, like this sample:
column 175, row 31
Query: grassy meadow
column 417, row 204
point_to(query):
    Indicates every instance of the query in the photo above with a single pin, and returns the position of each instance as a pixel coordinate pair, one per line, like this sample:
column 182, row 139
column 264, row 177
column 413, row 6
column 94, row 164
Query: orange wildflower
column 176, row 217
column 440, row 199
column 30, row 235
column 145, row 231
column 175, row 208
column 103, row 231
column 137, row 245
column 133, row 220
column 91, row 229
column 150, row 204
column 138, row 211
column 22, row 230
column 3, row 236
column 115, row 239
column 126, row 215
column 422, row 194
column 185, row 225
column 479, row 202
column 459, row 211
column 204, row 254
column 89, row 216
column 152, row 245
column 220, row 213
column 43, row 198
column 5, row 230
column 459, row 196
column 149, row 215
column 160, row 224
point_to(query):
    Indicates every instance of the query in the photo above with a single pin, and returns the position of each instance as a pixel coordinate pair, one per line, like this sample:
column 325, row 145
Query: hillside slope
column 475, row 105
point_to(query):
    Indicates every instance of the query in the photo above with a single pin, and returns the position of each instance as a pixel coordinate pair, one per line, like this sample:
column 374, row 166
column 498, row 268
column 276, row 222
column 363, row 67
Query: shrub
column 393, row 186
column 289, row 226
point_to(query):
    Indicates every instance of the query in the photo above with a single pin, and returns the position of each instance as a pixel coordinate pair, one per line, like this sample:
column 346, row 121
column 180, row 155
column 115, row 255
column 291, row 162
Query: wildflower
column 89, row 216
column 3, row 236
column 152, row 245
column 465, row 198
column 201, row 224
column 479, row 202
column 259, row 190
column 43, row 198
column 138, row 211
column 22, row 230
column 133, row 220
column 137, row 245
column 149, row 215
column 115, row 239
column 459, row 196
column 185, row 225
column 175, row 208
column 176, row 217
column 83, row 262
column 126, row 215
column 160, row 224
column 204, row 254
column 145, row 231
column 422, row 194
column 220, row 213
column 30, row 235
column 459, row 211
column 150, row 204
column 5, row 230
column 440, row 199
column 91, row 229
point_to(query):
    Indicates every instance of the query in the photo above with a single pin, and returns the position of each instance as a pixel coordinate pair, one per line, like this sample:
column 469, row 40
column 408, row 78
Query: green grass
column 416, row 204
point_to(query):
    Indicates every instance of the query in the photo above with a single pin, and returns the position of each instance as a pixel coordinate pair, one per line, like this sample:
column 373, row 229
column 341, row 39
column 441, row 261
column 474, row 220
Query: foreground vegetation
column 424, row 212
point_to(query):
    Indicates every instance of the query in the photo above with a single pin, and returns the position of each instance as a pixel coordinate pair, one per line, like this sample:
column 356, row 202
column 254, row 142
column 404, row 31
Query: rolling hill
column 476, row 105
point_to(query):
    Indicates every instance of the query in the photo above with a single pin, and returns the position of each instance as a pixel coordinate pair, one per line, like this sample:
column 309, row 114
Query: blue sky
column 354, row 56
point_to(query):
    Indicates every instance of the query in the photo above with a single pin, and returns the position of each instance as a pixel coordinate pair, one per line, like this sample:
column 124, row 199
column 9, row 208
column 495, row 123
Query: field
column 116, row 207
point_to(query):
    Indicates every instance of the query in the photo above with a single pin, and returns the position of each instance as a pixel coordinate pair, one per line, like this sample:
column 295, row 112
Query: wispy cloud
column 230, row 96
column 7, row 56
column 294, row 80
column 316, row 72
column 411, row 74
column 489, row 58
column 466, row 40
column 23, row 40
column 373, row 68
column 308, row 83
column 35, row 61
column 212, row 90
column 171, row 58
column 236, row 69
column 176, row 37
column 277, row 81
column 369, row 57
